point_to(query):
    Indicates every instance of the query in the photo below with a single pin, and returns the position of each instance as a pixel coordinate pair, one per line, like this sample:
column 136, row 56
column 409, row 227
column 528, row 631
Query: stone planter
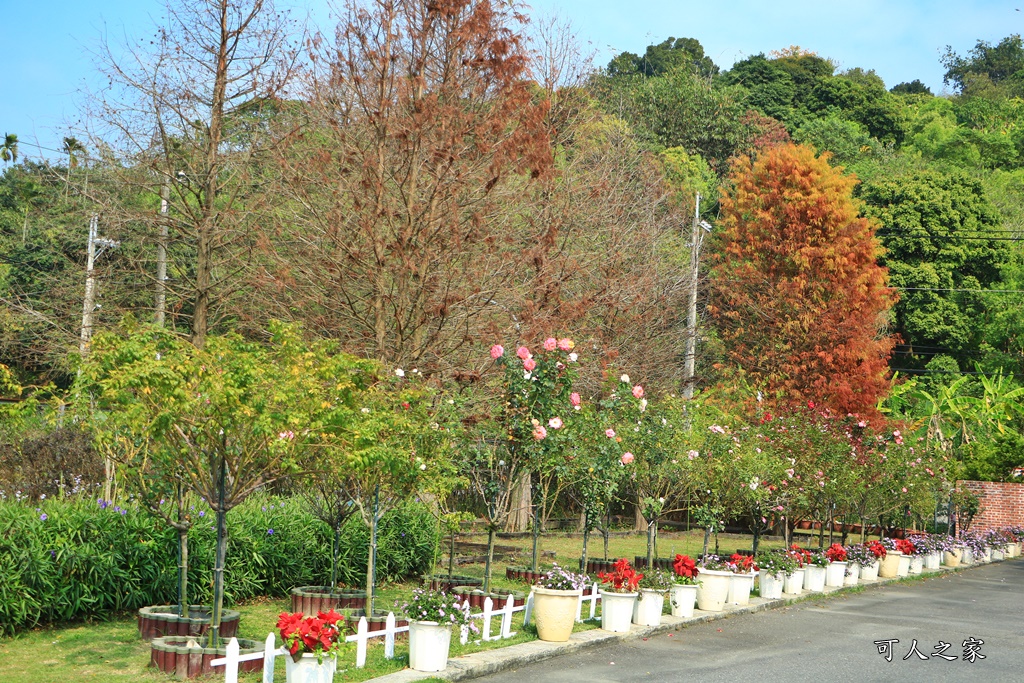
column 771, row 584
column 648, row 606
column 869, row 572
column 932, row 560
column 835, row 574
column 739, row 589
column 852, row 577
column 814, row 578
column 447, row 583
column 309, row 670
column 312, row 599
column 904, row 566
column 967, row 556
column 916, row 564
column 163, row 620
column 890, row 565
column 173, row 654
column 682, row 599
column 617, row 611
column 713, row 589
column 429, row 643
column 794, row 582
column 555, row 613
column 952, row 558
column 998, row 555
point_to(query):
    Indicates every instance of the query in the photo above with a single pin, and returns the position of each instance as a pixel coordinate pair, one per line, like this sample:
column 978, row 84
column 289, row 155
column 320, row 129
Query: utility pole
column 89, row 304
column 699, row 228
column 161, row 256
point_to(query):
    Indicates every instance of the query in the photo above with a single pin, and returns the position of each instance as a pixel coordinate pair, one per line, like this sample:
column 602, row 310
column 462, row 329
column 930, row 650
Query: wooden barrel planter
column 499, row 598
column 375, row 622
column 312, row 599
column 663, row 563
column 595, row 566
column 448, row 583
column 163, row 620
column 172, row 654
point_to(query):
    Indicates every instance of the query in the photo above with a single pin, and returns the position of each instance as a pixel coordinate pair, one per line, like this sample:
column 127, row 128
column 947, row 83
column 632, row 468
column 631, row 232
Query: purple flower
column 53, row 553
column 270, row 532
column 123, row 511
column 202, row 513
column 264, row 508
column 42, row 517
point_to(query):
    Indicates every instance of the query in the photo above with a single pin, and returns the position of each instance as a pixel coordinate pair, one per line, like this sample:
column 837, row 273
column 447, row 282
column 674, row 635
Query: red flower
column 309, row 634
column 622, row 577
column 877, row 549
column 836, row 553
column 685, row 566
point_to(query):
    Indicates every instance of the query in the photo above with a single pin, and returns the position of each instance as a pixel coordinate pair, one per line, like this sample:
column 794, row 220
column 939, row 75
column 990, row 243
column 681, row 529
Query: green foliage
column 674, row 53
column 1000, row 65
column 914, row 87
column 846, row 140
column 88, row 562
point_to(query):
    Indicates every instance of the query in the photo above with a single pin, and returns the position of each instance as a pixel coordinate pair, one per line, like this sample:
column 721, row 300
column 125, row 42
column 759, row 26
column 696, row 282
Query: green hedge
column 72, row 560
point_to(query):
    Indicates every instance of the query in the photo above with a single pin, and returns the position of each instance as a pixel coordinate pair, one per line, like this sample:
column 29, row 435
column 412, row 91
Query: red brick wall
column 1000, row 505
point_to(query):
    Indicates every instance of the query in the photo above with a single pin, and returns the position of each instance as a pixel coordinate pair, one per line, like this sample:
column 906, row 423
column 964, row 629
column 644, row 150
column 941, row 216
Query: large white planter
column 648, row 607
column 794, row 582
column 932, row 560
column 952, row 558
column 890, row 565
column 814, row 578
column 713, row 589
column 998, row 554
column 739, row 589
column 869, row 572
column 967, row 556
column 835, row 574
column 617, row 611
column 916, row 564
column 904, row 567
column 771, row 584
column 428, row 645
column 1015, row 549
column 852, row 577
column 554, row 612
column 988, row 555
column 682, row 599
column 308, row 670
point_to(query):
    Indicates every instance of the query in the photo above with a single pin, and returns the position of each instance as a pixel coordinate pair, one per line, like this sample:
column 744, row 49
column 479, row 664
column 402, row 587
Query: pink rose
column 550, row 344
column 523, row 353
column 555, row 423
column 529, row 364
column 627, row 458
column 565, row 344
column 610, row 433
column 638, row 391
column 574, row 399
column 497, row 351
column 539, row 432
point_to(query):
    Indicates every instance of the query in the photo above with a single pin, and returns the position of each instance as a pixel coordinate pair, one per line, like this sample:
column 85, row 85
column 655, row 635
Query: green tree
column 9, row 149
column 997, row 64
column 914, row 87
column 666, row 56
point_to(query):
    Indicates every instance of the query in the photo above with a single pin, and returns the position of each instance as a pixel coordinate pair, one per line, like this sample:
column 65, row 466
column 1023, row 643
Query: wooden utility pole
column 89, row 303
column 161, row 256
column 699, row 227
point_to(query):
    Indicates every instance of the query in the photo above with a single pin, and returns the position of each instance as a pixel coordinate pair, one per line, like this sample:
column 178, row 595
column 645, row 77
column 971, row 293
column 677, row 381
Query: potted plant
column 858, row 556
column 742, row 582
column 773, row 567
column 713, row 584
column 648, row 607
column 313, row 645
column 556, row 599
column 890, row 565
column 683, row 593
column 431, row 615
column 795, row 578
column 815, row 566
column 622, row 584
column 835, row 573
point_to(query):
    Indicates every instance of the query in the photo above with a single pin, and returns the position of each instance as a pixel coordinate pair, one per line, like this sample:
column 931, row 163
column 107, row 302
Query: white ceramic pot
column 648, row 606
column 967, row 556
column 998, row 555
column 309, row 670
column 988, row 555
column 617, row 611
column 835, row 574
column 952, row 558
column 794, row 582
column 554, row 612
column 771, row 584
column 682, row 599
column 916, row 564
column 428, row 645
column 932, row 560
column 904, row 567
column 814, row 578
column 890, row 565
column 852, row 577
column 713, row 589
column 869, row 572
column 739, row 589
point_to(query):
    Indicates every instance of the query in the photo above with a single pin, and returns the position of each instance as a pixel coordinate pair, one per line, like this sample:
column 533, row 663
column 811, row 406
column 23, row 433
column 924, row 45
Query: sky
column 46, row 56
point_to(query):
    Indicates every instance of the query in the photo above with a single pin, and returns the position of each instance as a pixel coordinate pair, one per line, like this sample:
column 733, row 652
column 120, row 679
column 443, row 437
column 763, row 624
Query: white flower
column 400, row 372
column 661, row 499
column 423, row 466
column 501, row 463
column 624, row 379
column 364, row 410
column 415, row 371
column 643, row 404
column 527, row 375
column 572, row 357
column 753, row 483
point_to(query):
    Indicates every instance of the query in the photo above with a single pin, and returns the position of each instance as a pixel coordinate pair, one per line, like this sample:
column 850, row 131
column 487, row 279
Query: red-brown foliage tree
column 799, row 298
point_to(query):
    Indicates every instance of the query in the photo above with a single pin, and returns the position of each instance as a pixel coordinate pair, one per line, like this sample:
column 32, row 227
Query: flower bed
column 312, row 599
column 172, row 654
column 163, row 620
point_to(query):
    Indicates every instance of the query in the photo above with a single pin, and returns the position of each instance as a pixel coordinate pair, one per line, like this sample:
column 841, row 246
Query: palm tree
column 72, row 148
column 9, row 150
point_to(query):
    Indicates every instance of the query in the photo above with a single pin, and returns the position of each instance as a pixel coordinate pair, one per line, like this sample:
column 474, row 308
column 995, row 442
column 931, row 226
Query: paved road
column 830, row 639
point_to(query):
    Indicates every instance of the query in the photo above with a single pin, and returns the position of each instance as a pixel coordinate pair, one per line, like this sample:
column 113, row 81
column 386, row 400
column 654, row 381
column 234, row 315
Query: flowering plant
column 996, row 539
column 656, row 580
column 622, row 579
column 685, row 569
column 801, row 556
column 742, row 564
column 715, row 563
column 318, row 635
column 561, row 580
column 924, row 543
column 776, row 560
column 817, row 558
column 878, row 549
column 860, row 554
column 900, row 545
column 444, row 608
column 974, row 542
column 948, row 544
column 836, row 553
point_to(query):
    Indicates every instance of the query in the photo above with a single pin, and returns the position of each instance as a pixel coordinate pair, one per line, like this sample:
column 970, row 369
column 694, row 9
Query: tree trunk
column 183, row 572
column 639, row 521
column 757, row 539
column 652, row 527
column 335, row 542
column 583, row 558
column 707, row 537
column 522, row 503
column 490, row 559
column 371, row 564
column 218, row 577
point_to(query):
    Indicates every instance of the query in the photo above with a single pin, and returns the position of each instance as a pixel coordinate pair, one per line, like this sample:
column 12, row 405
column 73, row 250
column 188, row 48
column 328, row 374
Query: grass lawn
column 112, row 652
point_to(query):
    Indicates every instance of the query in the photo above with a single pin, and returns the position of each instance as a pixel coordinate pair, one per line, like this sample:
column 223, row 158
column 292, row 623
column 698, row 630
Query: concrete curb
column 514, row 656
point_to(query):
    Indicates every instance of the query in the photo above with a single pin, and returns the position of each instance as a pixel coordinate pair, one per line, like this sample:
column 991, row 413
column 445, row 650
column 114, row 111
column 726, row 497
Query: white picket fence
column 363, row 635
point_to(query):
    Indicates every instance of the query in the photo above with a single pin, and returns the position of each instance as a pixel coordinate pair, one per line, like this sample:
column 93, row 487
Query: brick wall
column 1000, row 504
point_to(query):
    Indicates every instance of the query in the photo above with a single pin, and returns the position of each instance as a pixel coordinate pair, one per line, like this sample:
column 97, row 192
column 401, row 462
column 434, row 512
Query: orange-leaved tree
column 799, row 298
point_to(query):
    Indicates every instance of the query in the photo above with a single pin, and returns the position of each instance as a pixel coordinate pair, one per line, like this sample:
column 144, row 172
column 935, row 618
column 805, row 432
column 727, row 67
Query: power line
column 957, row 289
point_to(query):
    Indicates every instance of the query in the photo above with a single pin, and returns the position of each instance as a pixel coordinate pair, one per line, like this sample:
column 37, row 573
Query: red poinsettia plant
column 878, row 549
column 743, row 563
column 685, row 569
column 799, row 554
column 622, row 578
column 905, row 546
column 836, row 553
column 319, row 635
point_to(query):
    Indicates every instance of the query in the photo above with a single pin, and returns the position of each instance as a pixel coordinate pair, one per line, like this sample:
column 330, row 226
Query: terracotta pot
column 803, row 524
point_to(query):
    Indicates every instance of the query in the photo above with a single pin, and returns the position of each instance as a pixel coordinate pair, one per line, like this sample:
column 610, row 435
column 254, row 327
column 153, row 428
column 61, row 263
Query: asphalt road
column 830, row 639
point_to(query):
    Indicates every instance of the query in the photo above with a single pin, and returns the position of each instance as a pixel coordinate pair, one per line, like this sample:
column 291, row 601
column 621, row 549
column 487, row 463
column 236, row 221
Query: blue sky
column 45, row 52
